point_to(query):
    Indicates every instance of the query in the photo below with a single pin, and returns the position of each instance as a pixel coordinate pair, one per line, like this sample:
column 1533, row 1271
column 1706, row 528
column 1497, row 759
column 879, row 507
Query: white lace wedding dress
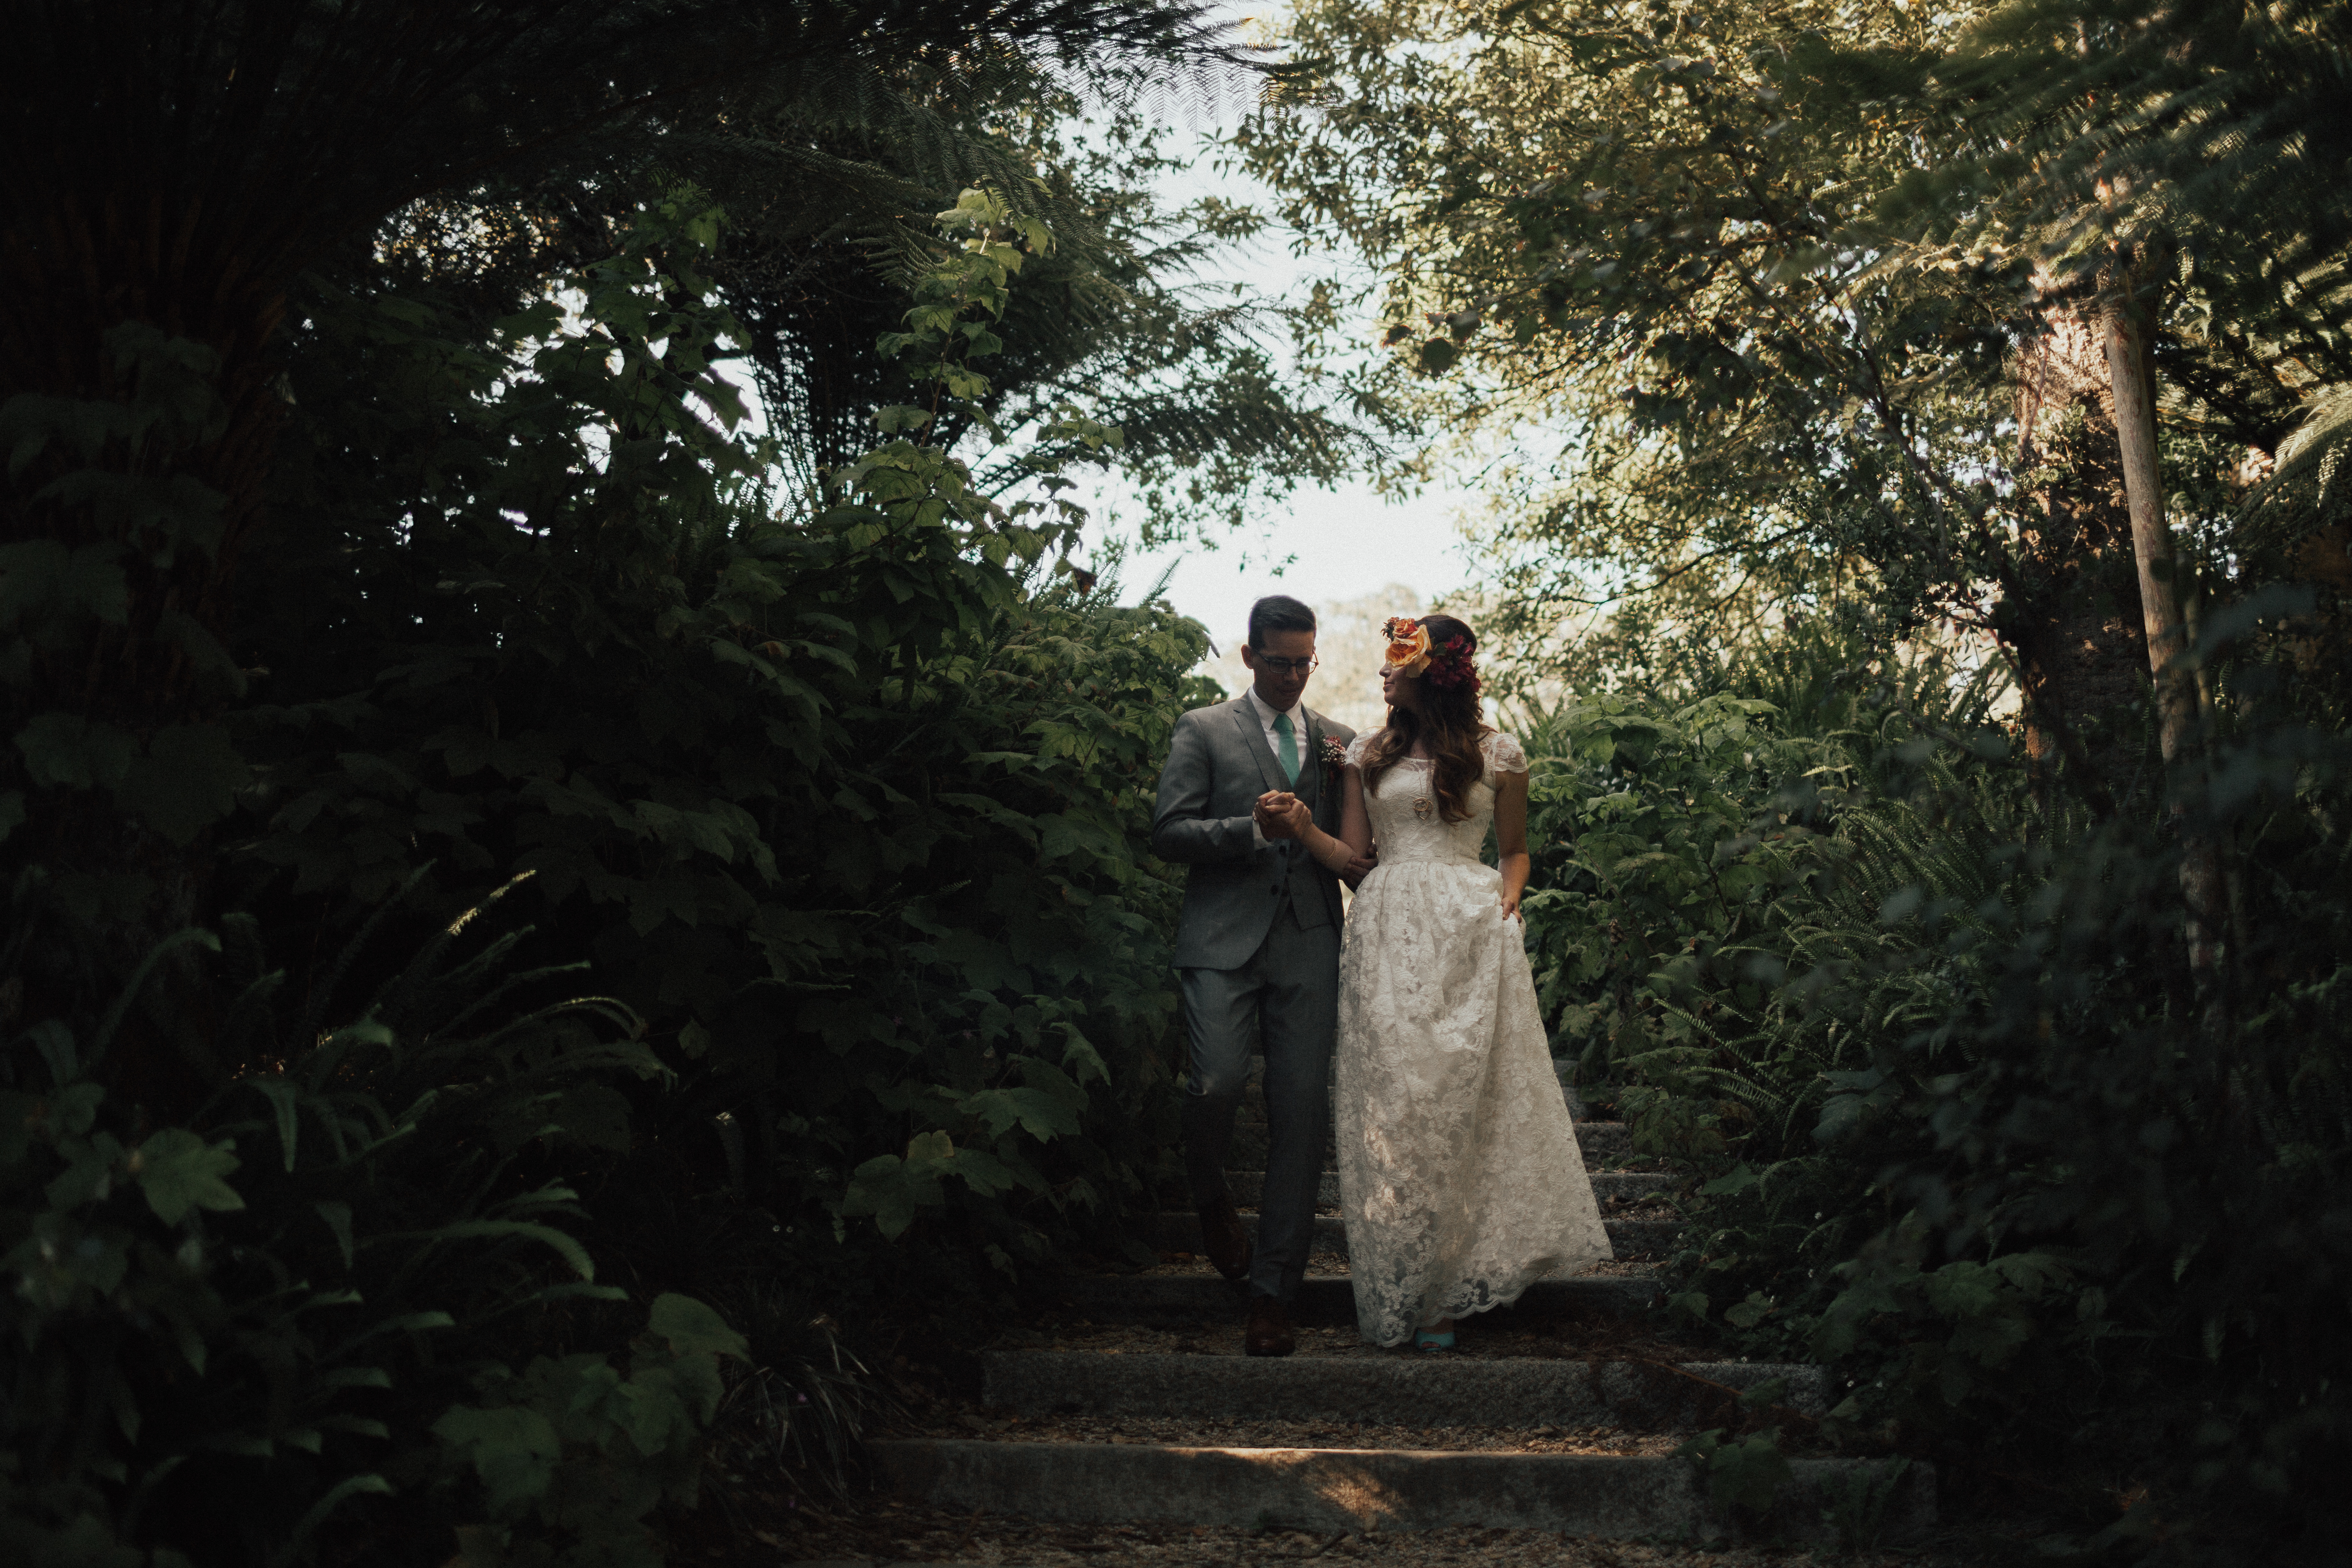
column 1459, row 1172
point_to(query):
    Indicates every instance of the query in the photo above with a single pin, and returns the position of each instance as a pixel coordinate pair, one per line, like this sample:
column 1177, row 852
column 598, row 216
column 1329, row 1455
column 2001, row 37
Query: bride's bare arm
column 1511, row 838
column 1355, row 823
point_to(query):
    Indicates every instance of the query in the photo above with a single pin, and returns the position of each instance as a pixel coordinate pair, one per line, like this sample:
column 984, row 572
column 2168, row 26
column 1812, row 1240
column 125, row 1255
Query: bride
column 1459, row 1172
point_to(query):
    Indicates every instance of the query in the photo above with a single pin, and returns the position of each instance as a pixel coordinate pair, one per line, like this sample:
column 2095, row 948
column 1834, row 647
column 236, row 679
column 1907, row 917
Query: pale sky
column 1323, row 546
column 1343, row 545
column 1349, row 545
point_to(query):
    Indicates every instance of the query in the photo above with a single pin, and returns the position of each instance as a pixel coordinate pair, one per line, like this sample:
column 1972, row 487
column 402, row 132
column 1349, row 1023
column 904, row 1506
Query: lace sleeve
column 1359, row 746
column 1503, row 754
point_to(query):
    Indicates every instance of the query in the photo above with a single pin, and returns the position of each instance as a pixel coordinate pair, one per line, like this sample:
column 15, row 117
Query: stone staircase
column 1559, row 1414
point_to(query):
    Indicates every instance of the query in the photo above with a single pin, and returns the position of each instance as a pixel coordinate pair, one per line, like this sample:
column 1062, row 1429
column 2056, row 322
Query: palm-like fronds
column 2310, row 487
column 2210, row 124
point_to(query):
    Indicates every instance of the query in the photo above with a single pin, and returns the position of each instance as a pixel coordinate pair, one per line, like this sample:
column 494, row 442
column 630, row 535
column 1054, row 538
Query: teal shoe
column 1428, row 1340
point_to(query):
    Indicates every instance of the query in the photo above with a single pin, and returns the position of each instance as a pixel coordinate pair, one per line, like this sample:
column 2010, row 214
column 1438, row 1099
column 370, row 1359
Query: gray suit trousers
column 1288, row 994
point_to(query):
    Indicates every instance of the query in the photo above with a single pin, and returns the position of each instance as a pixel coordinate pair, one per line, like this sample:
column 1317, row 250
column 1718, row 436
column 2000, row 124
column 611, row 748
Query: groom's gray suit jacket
column 1218, row 764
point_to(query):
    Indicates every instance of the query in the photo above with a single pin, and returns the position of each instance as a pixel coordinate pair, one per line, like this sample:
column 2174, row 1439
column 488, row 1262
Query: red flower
column 1450, row 665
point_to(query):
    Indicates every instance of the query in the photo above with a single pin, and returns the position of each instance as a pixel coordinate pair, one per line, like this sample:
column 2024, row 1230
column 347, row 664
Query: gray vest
column 1218, row 764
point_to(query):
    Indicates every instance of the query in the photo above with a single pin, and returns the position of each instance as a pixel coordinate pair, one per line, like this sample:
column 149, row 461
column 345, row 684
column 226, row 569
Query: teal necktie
column 1286, row 748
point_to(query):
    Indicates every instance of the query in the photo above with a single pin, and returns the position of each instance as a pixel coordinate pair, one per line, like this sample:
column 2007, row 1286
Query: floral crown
column 1410, row 652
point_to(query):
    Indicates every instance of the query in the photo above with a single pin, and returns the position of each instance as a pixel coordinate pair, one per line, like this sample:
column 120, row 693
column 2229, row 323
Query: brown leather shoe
column 1269, row 1329
column 1223, row 1239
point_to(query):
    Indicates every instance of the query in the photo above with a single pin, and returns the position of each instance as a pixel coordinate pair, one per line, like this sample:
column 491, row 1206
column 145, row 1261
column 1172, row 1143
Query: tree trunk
column 2133, row 379
column 2078, row 641
column 2166, row 627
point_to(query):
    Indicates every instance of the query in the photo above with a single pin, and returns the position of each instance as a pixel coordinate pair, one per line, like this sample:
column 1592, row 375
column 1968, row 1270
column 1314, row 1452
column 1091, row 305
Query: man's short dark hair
column 1277, row 613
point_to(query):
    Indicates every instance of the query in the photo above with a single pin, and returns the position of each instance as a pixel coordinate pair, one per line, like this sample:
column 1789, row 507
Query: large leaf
column 64, row 750
column 179, row 1171
column 694, row 1328
column 513, row 1450
column 187, row 781
column 1036, row 1112
column 42, row 582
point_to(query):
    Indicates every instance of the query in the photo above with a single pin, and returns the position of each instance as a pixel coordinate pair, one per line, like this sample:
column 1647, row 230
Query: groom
column 1258, row 954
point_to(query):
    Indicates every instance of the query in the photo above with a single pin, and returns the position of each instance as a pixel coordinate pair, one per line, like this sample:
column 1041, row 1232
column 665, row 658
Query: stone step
column 1628, row 1237
column 1182, row 1300
column 1643, row 1237
column 1346, row 1489
column 1249, row 1187
column 1602, row 1143
column 1632, row 1186
column 1388, row 1390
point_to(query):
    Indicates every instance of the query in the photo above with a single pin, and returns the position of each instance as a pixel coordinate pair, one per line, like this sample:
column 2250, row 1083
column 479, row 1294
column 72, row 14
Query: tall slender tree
column 1780, row 282
column 2147, row 154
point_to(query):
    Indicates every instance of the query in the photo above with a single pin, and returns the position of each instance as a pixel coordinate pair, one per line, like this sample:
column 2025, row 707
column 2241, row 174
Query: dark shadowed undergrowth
column 1964, row 1120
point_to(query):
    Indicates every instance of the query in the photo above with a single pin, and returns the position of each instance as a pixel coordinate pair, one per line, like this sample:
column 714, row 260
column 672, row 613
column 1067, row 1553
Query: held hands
column 1281, row 815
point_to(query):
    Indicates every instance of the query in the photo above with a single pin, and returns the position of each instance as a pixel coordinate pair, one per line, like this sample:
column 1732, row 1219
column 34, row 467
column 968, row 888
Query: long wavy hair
column 1448, row 725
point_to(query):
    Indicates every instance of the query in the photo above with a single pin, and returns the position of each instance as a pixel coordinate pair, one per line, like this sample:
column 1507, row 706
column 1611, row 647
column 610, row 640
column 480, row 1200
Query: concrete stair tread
column 1622, row 1495
column 1490, row 1338
column 1560, row 1415
column 1611, row 1207
column 1307, row 1432
column 1393, row 1388
column 1199, row 1297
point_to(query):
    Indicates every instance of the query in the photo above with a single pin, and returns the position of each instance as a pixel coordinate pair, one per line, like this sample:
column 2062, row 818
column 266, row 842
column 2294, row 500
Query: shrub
column 845, row 795
column 1959, row 1116
column 223, row 1341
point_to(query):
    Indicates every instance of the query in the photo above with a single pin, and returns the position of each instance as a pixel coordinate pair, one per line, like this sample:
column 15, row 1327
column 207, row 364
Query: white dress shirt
column 1266, row 714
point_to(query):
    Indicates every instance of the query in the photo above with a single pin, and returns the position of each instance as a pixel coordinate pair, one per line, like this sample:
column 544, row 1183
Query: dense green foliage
column 1954, row 1119
column 1774, row 310
column 838, row 783
column 1833, row 353
column 840, row 805
column 530, row 882
column 240, row 1345
column 826, row 780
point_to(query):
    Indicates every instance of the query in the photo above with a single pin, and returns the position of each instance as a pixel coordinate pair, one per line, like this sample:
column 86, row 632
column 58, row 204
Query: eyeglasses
column 1285, row 666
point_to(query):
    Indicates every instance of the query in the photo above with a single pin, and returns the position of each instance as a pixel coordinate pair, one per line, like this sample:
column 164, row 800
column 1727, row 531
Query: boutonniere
column 1334, row 755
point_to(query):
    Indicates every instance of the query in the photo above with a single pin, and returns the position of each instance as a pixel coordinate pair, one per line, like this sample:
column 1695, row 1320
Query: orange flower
column 1408, row 650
